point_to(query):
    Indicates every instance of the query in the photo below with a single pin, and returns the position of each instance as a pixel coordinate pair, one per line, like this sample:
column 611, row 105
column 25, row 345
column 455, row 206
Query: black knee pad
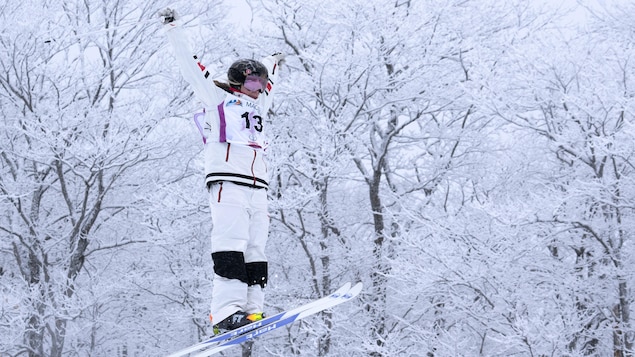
column 230, row 265
column 257, row 273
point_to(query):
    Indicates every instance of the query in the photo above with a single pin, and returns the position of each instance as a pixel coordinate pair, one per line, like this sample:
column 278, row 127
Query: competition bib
column 241, row 123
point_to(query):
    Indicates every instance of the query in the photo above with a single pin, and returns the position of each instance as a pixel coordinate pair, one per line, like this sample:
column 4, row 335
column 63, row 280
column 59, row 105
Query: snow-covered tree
column 577, row 103
column 470, row 162
column 82, row 158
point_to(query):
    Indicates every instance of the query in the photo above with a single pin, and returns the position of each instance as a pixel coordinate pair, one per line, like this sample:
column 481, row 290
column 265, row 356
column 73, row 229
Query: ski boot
column 238, row 319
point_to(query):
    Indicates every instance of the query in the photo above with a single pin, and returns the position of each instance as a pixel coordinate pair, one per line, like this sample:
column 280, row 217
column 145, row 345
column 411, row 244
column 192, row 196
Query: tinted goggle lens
column 255, row 83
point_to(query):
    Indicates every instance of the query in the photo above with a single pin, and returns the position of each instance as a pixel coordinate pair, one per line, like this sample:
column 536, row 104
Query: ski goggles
column 255, row 83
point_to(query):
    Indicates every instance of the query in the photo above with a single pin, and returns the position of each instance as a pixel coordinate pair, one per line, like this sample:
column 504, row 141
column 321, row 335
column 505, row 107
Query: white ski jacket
column 234, row 151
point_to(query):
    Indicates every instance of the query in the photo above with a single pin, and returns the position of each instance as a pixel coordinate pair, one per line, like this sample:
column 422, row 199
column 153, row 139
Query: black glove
column 168, row 15
column 279, row 56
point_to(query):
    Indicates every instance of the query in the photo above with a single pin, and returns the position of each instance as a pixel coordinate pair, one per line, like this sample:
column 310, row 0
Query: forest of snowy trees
column 472, row 162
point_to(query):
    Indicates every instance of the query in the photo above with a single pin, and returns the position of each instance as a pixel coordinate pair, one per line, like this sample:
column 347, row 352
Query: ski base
column 248, row 332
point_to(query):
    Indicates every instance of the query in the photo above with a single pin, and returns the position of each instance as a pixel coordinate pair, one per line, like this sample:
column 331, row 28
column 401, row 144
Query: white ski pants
column 240, row 229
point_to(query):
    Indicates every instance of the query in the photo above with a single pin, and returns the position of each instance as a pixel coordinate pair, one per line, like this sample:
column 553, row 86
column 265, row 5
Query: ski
column 288, row 318
column 219, row 339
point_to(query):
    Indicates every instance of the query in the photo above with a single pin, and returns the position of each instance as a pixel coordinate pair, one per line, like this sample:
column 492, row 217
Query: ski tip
column 342, row 290
column 348, row 290
column 355, row 290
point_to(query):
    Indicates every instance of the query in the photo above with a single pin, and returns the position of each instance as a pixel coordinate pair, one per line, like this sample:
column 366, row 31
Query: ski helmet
column 240, row 69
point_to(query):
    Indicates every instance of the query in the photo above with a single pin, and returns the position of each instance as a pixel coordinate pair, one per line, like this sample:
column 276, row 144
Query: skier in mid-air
column 236, row 175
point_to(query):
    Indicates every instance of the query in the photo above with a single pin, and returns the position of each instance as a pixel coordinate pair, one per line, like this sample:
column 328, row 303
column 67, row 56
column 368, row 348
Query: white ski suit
column 237, row 179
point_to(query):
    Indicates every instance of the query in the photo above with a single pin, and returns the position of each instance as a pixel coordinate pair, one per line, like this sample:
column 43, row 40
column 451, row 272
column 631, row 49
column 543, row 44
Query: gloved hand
column 279, row 56
column 168, row 15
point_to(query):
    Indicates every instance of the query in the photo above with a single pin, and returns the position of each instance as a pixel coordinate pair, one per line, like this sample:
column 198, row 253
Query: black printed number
column 257, row 126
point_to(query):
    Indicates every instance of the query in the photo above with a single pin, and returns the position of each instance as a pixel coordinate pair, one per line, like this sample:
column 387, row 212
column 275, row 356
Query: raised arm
column 192, row 70
column 272, row 63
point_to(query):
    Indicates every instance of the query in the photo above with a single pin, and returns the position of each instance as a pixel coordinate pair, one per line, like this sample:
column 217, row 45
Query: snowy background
column 472, row 162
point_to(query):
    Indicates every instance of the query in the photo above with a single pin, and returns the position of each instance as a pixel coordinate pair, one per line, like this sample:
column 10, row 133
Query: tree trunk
column 377, row 307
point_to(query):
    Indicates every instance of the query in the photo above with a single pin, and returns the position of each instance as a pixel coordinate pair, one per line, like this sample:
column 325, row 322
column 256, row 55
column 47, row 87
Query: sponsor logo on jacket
column 234, row 102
